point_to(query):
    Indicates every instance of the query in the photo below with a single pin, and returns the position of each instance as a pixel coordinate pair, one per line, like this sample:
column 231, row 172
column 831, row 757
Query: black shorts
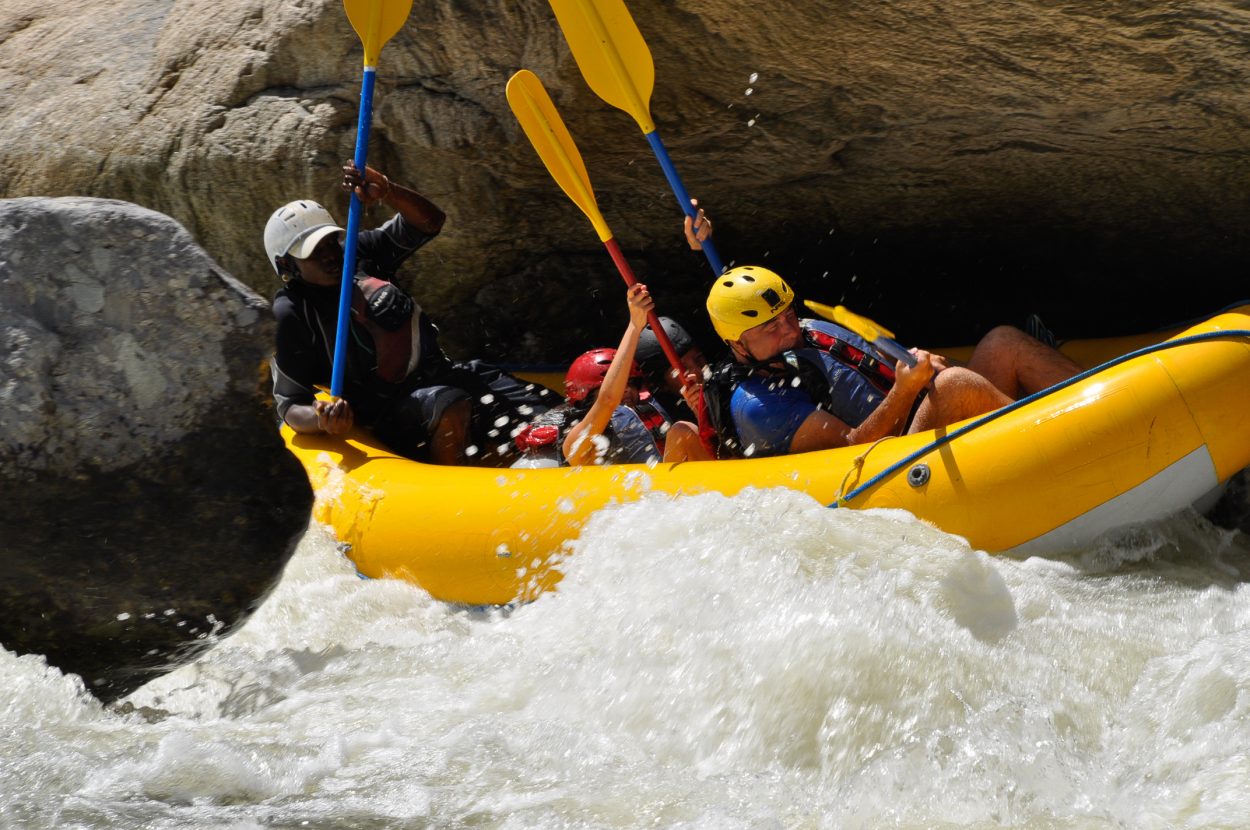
column 499, row 403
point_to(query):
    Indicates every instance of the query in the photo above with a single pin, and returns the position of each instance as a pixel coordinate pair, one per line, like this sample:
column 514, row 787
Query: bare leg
column 956, row 394
column 1018, row 364
column 451, row 433
column 681, row 443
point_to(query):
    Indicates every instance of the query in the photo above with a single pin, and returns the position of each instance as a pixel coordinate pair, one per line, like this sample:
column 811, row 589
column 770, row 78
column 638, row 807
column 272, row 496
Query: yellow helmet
column 745, row 297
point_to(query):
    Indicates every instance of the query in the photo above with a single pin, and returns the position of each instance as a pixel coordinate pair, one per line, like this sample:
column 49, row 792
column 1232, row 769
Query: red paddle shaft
column 666, row 345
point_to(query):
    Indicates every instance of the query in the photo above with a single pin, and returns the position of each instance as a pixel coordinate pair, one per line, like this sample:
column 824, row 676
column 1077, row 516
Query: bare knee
column 681, row 443
column 1019, row 364
column 1003, row 334
column 998, row 347
column 997, row 357
column 448, row 443
column 957, row 394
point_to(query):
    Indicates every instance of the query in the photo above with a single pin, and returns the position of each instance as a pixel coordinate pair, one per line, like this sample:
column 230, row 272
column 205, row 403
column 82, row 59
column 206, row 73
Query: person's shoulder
column 289, row 310
column 283, row 303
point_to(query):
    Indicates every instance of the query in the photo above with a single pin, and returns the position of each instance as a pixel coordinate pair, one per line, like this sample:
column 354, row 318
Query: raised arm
column 579, row 446
column 374, row 186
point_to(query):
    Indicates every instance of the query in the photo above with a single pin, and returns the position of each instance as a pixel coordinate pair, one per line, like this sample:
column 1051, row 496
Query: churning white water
column 759, row 661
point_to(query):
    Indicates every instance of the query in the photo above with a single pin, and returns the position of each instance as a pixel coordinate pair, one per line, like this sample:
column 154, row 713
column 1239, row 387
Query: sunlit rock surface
column 941, row 166
column 148, row 503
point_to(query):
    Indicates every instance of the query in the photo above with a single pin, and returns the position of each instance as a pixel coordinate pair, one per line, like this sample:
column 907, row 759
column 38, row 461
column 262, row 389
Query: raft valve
column 918, row 476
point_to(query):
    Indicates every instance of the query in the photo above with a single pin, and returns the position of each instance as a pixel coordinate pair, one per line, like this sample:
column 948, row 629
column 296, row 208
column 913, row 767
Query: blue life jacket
column 852, row 376
column 636, row 435
column 840, row 371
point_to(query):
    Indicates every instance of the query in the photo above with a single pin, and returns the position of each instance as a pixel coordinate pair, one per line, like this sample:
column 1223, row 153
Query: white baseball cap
column 295, row 229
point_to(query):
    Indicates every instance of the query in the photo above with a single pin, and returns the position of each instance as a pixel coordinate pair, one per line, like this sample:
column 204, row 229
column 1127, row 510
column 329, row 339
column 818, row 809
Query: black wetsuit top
column 307, row 316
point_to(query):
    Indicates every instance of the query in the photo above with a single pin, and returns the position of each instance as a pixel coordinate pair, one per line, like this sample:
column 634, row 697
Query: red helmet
column 587, row 372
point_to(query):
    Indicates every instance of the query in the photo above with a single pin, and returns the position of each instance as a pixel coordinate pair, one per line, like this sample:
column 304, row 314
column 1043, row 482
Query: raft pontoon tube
column 1160, row 428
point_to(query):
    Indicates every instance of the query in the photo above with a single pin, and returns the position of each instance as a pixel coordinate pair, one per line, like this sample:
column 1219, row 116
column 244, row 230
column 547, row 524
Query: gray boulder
column 148, row 501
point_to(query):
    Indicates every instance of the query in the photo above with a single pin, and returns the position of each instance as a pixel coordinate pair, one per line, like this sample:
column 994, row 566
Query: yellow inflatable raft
column 1162, row 427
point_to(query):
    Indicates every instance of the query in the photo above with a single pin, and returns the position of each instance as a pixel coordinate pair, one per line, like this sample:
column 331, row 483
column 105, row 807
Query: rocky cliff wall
column 940, row 166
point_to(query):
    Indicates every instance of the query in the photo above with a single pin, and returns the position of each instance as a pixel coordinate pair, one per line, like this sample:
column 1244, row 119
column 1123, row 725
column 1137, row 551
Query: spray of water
column 755, row 661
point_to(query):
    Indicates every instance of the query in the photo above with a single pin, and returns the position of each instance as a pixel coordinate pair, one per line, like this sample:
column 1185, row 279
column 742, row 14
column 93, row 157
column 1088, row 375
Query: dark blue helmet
column 650, row 356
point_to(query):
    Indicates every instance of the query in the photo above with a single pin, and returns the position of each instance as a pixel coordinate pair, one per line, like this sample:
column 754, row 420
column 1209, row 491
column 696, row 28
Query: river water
column 708, row 662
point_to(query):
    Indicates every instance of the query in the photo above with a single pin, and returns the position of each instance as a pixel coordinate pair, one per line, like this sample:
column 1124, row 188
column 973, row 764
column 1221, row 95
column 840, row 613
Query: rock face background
column 148, row 502
column 941, row 166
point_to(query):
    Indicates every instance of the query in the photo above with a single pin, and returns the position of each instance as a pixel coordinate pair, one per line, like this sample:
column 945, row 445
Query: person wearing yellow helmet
column 398, row 381
column 800, row 385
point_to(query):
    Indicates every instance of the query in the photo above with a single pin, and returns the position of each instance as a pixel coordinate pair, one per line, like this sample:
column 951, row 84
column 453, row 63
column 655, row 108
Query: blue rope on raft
column 1012, row 407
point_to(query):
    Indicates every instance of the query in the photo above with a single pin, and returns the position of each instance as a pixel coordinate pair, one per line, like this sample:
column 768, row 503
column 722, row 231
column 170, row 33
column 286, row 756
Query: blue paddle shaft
column 683, row 198
column 349, row 244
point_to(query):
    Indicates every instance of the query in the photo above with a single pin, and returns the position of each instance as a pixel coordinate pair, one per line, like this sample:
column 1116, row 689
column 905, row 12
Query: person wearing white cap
column 398, row 383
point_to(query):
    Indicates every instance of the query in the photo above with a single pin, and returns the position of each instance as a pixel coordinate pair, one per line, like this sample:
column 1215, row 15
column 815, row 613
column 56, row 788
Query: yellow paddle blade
column 376, row 22
column 533, row 107
column 611, row 53
column 843, row 316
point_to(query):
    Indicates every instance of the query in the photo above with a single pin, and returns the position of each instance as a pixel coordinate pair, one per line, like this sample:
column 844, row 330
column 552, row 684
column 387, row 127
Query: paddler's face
column 325, row 265
column 692, row 362
column 767, row 340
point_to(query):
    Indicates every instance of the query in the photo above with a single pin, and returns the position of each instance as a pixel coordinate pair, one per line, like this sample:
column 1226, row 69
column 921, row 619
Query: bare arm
column 579, row 446
column 822, row 431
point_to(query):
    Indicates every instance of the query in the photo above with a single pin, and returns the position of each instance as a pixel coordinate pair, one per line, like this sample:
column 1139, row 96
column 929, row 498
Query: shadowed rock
column 1233, row 510
column 943, row 167
column 148, row 503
